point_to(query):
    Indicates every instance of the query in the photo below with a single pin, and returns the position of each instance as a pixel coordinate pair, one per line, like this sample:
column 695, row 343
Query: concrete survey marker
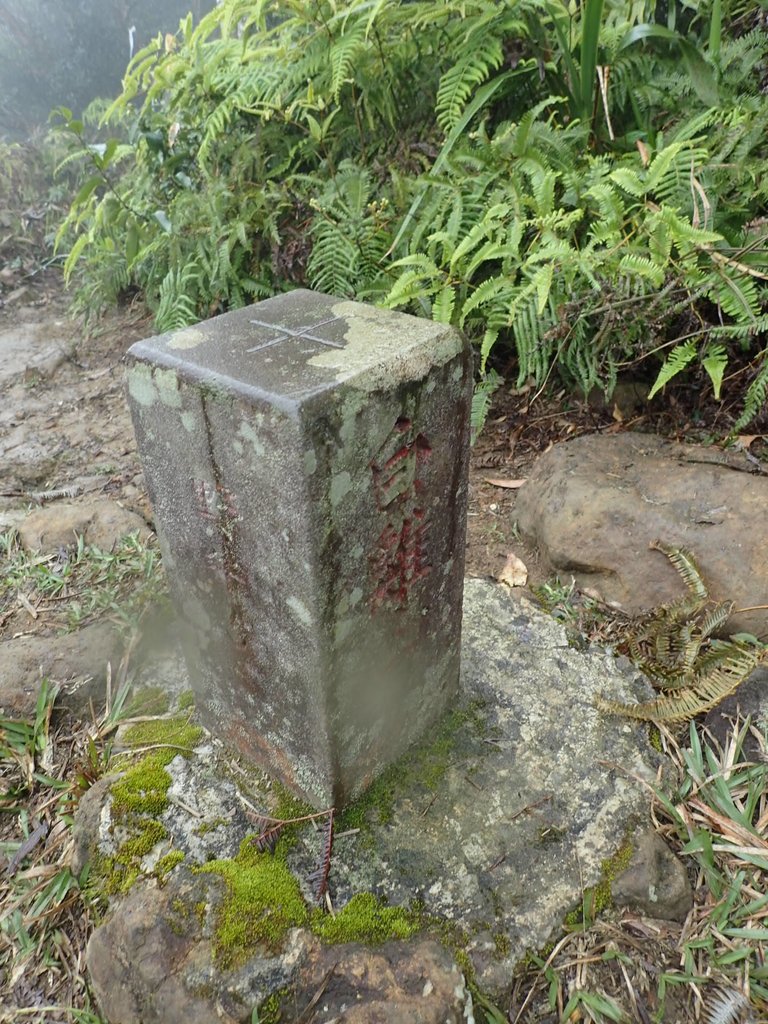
column 306, row 459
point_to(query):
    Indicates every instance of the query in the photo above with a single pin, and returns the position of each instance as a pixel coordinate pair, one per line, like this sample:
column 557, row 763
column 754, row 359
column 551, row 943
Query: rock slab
column 495, row 833
column 593, row 505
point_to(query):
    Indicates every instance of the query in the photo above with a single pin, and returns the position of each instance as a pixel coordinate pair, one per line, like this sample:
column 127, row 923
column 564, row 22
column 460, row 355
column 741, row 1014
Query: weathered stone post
column 306, row 459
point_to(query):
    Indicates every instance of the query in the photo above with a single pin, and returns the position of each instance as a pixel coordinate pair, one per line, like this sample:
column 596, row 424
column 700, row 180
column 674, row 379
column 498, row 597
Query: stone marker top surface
column 301, row 344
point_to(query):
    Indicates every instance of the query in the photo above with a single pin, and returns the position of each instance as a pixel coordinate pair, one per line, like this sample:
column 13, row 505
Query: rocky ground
column 559, row 488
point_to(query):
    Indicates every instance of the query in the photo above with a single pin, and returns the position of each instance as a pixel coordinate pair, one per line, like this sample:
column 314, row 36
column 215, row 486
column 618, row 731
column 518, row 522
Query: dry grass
column 711, row 968
column 46, row 914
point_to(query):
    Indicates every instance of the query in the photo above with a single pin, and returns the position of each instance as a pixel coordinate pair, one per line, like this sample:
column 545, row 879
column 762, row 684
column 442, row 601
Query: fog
column 67, row 52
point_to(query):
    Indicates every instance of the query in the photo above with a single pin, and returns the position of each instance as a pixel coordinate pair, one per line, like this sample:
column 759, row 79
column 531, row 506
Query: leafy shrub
column 570, row 186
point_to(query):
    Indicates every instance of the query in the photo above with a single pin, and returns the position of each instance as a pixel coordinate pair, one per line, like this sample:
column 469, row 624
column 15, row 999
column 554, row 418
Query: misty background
column 67, row 52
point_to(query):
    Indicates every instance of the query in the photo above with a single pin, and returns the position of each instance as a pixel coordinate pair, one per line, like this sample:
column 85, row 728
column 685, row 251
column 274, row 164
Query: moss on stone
column 116, row 874
column 175, row 732
column 186, row 700
column 143, row 789
column 262, row 902
column 167, row 863
column 149, row 833
column 270, row 1011
column 208, row 826
column 654, row 738
column 598, row 898
column 426, row 765
column 365, row 919
column 150, row 700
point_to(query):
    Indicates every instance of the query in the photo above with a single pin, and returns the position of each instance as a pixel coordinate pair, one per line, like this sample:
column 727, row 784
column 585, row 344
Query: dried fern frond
column 705, row 690
column 673, row 646
column 685, row 563
column 727, row 1006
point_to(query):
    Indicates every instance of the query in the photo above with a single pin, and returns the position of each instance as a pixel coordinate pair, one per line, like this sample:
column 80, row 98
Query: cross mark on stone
column 284, row 333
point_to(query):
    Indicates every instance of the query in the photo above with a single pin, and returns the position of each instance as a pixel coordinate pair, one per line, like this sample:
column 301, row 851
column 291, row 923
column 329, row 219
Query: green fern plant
column 674, row 646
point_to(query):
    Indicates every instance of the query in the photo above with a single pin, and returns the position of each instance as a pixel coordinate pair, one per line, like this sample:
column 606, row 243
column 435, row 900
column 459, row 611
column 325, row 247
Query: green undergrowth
column 79, row 585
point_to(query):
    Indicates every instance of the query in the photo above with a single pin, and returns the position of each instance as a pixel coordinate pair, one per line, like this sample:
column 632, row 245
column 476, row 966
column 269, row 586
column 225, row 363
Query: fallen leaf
column 514, row 573
column 745, row 440
column 500, row 481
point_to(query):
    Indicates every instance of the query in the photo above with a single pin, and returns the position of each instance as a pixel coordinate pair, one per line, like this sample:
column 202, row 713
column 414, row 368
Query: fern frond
column 685, row 563
column 481, row 400
column 704, row 693
column 459, row 82
column 678, row 359
column 756, row 398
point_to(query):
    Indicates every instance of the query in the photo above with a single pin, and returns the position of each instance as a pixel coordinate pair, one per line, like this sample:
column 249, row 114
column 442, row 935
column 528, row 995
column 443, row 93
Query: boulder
column 78, row 661
column 655, row 882
column 593, row 505
column 99, row 521
column 397, row 983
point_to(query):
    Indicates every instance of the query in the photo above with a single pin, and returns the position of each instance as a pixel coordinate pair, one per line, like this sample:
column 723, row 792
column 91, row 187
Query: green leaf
column 87, row 190
column 590, row 38
column 162, row 219
column 702, row 74
column 715, row 363
column 442, row 307
column 677, row 360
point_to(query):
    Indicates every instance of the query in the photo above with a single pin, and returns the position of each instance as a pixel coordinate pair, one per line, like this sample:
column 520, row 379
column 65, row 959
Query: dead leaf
column 514, row 573
column 500, row 481
column 745, row 440
column 644, row 152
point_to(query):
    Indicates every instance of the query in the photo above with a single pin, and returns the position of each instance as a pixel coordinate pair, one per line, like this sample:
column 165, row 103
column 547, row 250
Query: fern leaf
column 703, row 694
column 726, row 1006
column 684, row 562
column 343, row 55
column 715, row 363
column 716, row 617
column 677, row 360
column 319, row 878
column 481, row 400
column 459, row 83
column 756, row 398
column 442, row 307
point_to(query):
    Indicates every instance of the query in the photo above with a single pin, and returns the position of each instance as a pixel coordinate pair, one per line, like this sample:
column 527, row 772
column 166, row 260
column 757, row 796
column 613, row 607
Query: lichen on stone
column 425, row 765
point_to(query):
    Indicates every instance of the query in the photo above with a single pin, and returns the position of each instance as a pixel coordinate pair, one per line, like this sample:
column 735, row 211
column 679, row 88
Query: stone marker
column 306, row 459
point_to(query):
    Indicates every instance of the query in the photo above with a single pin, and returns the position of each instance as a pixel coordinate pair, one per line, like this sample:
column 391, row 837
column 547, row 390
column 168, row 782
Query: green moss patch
column 186, row 700
column 143, row 789
column 365, row 919
column 150, row 700
column 425, row 766
column 175, row 732
column 598, row 898
column 261, row 903
column 167, row 863
column 118, row 873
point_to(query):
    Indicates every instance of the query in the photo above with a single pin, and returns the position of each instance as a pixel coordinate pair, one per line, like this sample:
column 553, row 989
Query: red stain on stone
column 400, row 557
